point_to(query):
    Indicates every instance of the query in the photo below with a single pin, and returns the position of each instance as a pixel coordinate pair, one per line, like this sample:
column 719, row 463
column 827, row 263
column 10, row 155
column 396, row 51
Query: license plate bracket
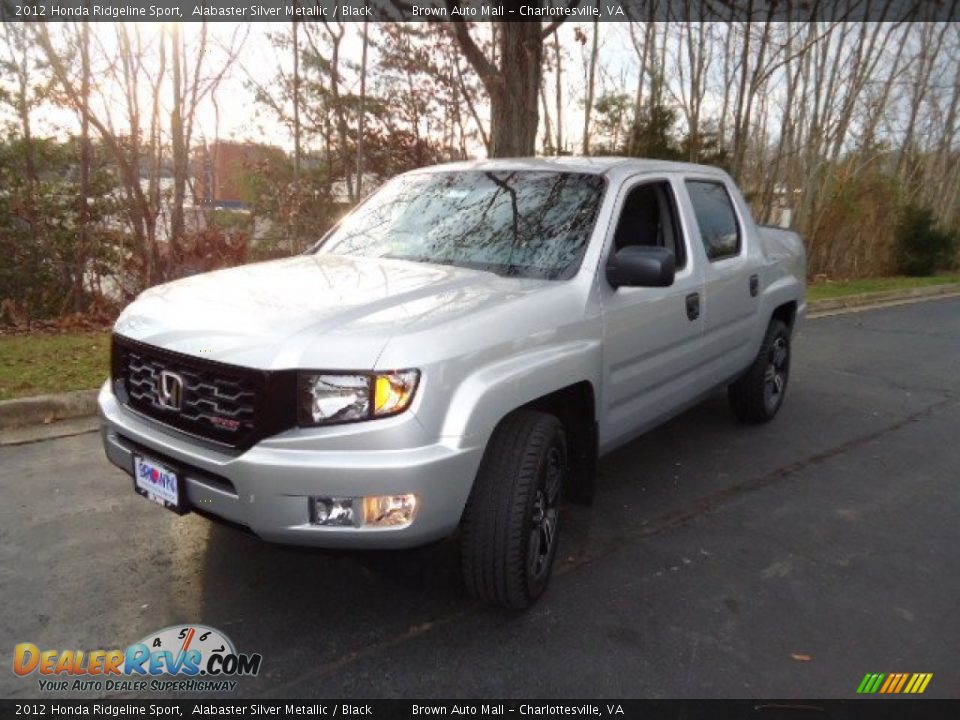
column 160, row 483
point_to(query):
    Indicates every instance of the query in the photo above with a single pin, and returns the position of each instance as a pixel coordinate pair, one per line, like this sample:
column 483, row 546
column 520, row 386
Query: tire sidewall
column 778, row 330
column 536, row 586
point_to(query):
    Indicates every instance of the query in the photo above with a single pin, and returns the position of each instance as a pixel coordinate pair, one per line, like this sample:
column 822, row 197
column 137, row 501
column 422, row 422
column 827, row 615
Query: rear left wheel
column 758, row 394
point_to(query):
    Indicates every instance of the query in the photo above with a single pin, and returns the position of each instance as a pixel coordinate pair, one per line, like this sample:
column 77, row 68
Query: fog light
column 332, row 511
column 389, row 510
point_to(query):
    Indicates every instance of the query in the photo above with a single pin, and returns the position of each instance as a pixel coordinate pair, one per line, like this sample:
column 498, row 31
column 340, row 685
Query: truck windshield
column 514, row 223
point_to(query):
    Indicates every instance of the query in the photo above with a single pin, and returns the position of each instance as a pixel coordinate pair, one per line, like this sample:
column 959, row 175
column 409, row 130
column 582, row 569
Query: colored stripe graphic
column 922, row 683
column 870, row 683
column 894, row 683
column 891, row 679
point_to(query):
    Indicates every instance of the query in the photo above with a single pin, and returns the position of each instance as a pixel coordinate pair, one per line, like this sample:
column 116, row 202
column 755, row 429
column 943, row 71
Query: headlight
column 327, row 399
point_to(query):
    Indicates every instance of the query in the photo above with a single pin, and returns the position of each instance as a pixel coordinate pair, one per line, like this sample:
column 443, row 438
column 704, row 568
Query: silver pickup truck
column 454, row 356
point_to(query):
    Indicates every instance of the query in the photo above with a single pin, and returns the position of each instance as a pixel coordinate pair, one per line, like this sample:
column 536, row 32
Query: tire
column 509, row 532
column 756, row 396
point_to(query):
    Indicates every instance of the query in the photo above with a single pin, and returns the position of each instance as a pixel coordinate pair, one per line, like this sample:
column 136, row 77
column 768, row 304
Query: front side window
column 649, row 217
column 514, row 223
column 715, row 218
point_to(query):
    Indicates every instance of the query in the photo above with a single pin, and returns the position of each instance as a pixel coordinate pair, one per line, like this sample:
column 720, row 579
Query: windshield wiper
column 500, row 269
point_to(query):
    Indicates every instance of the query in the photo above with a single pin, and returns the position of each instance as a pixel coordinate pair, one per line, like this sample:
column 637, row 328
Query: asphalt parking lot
column 718, row 561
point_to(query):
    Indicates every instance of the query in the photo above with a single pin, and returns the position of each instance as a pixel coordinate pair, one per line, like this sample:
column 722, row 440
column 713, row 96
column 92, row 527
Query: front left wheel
column 511, row 522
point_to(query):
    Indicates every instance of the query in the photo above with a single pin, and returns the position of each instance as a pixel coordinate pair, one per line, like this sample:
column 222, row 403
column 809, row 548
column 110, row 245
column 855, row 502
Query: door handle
column 693, row 306
column 754, row 285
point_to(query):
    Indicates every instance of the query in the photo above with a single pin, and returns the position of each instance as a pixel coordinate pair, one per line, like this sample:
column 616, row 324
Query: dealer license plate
column 159, row 483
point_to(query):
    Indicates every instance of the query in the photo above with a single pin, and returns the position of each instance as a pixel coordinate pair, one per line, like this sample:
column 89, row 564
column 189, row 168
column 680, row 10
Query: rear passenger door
column 651, row 335
column 730, row 279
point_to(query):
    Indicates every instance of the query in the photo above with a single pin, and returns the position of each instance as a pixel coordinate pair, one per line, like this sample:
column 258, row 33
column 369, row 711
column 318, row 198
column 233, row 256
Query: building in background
column 219, row 170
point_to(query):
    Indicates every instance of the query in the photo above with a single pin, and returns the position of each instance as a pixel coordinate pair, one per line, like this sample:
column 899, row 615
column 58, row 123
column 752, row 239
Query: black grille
column 226, row 404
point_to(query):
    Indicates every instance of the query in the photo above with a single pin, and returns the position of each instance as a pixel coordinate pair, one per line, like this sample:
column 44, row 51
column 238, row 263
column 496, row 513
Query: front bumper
column 267, row 487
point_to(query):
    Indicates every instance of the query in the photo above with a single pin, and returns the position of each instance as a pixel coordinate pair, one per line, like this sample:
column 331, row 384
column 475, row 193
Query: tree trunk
column 339, row 112
column 19, row 58
column 729, row 74
column 591, row 85
column 514, row 116
column 930, row 48
column 512, row 81
column 295, row 225
column 559, row 93
column 177, row 225
column 80, row 259
column 471, row 106
column 547, row 125
column 363, row 108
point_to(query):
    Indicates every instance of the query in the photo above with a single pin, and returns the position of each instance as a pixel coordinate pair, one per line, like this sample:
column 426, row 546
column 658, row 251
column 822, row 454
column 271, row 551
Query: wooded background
column 846, row 130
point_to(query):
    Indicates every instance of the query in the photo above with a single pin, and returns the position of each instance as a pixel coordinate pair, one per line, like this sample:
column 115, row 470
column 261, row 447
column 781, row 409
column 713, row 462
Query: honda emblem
column 169, row 390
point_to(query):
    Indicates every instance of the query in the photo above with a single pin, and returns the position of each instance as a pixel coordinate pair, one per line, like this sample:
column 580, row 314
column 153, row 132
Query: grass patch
column 52, row 362
column 842, row 288
column 41, row 363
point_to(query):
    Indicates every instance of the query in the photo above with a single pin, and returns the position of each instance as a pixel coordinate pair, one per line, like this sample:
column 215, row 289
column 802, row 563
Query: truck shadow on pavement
column 291, row 603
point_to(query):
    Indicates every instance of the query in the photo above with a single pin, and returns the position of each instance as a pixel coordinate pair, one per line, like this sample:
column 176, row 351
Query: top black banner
column 531, row 709
column 477, row 10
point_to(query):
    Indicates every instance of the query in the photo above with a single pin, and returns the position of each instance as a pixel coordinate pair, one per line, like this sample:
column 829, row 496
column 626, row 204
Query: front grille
column 219, row 402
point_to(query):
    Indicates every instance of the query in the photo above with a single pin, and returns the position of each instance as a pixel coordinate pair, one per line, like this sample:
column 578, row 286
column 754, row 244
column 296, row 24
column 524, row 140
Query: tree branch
column 551, row 27
column 471, row 50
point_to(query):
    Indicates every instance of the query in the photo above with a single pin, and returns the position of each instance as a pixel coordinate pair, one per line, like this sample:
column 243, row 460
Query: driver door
column 652, row 336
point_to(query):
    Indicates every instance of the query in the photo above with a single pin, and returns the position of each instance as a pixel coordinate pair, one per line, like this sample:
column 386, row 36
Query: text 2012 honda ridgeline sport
column 454, row 355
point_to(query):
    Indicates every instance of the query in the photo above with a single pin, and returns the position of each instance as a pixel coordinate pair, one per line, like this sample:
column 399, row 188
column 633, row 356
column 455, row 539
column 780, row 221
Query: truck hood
column 311, row 311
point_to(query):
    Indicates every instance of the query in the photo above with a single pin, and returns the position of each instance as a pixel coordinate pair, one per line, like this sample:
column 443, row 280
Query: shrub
column 46, row 267
column 923, row 247
column 852, row 231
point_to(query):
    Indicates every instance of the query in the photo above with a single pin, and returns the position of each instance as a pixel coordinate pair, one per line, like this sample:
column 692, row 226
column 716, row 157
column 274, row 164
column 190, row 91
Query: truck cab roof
column 575, row 163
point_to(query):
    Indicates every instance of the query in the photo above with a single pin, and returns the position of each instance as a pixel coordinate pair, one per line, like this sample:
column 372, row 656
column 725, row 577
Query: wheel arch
column 785, row 312
column 575, row 407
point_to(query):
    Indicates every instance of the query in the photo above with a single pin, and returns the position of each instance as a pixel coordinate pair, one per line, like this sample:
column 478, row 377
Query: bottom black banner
column 674, row 709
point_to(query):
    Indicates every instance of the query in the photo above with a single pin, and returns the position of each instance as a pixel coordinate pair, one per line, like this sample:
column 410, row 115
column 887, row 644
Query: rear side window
column 715, row 218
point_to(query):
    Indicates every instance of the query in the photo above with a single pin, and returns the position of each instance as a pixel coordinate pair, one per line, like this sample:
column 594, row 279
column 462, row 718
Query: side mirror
column 641, row 266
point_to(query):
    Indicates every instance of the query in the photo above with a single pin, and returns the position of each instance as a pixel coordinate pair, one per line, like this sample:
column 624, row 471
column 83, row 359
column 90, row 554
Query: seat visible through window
column 649, row 217
column 640, row 222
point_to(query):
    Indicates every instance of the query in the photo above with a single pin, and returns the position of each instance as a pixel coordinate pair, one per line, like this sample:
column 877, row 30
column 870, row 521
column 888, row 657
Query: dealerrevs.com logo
column 189, row 658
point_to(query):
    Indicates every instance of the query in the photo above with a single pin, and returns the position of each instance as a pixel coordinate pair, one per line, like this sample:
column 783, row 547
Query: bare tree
column 362, row 107
column 141, row 214
column 83, row 244
column 931, row 40
column 558, row 91
column 297, row 149
column 17, row 66
column 591, row 81
column 335, row 32
column 692, row 63
column 178, row 139
column 511, row 79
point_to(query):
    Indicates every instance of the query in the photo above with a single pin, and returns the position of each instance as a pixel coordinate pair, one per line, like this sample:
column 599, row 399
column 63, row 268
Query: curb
column 887, row 297
column 45, row 409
